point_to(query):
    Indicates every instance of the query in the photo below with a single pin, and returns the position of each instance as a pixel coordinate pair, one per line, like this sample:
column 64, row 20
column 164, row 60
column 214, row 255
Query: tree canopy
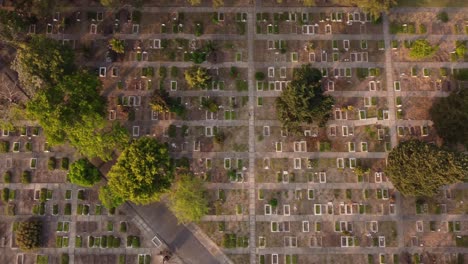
column 303, row 100
column 421, row 49
column 374, row 7
column 83, row 173
column 450, row 115
column 28, row 235
column 117, row 45
column 143, row 172
column 197, row 77
column 12, row 24
column 187, row 199
column 417, row 168
column 73, row 110
column 42, row 61
column 108, row 198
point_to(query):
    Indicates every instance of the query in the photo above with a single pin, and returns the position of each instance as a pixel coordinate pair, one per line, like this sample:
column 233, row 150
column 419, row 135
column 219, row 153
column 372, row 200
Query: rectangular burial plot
column 227, row 202
column 417, row 108
column 227, row 234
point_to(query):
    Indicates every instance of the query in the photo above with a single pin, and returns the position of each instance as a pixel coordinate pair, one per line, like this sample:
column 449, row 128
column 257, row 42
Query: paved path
column 252, row 137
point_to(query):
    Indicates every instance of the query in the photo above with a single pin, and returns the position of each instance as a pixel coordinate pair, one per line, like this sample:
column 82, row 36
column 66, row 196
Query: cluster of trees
column 144, row 173
column 417, row 168
column 450, row 115
column 28, row 235
column 303, row 100
column 66, row 101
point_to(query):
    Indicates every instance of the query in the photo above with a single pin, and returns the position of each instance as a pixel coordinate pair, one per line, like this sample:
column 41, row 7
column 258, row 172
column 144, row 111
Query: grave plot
column 437, row 23
column 277, row 233
column 226, row 170
column 228, row 202
column 414, row 108
column 435, row 233
column 205, row 139
column 228, row 234
column 275, row 139
column 368, row 138
column 283, row 202
column 418, row 78
column 212, row 169
column 359, row 108
column 189, row 23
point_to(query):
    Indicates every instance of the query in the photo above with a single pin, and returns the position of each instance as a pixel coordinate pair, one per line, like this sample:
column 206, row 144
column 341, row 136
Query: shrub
column 28, row 235
column 259, row 76
column 7, row 177
column 83, row 173
column 65, row 163
column 162, row 72
column 174, row 71
column 273, row 202
column 5, row 194
column 52, row 163
column 26, row 177
column 233, row 72
column 117, row 45
column 64, row 258
column 172, row 131
column 421, row 49
column 443, row 16
column 4, row 146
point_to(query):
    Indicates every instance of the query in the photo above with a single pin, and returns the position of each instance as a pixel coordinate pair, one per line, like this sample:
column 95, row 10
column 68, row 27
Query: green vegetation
column 449, row 115
column 42, row 61
column 421, row 49
column 187, row 200
column 419, row 169
column 117, row 45
column 28, row 235
column 73, row 110
column 443, row 16
column 12, row 24
column 210, row 104
column 83, row 173
column 197, row 77
column 303, row 100
column 374, row 7
column 142, row 174
column 433, row 3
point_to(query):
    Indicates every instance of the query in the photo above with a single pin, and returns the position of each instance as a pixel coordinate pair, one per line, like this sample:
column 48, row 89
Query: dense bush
column 28, row 235
column 83, row 173
column 419, row 169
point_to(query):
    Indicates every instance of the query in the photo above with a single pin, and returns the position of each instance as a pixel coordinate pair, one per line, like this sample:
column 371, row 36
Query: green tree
column 308, row 2
column 83, row 173
column 42, row 62
column 197, row 77
column 109, row 3
column 218, row 3
column 142, row 173
column 108, row 198
column 374, row 7
column 117, row 45
column 28, row 235
column 73, row 110
column 194, row 2
column 187, row 199
column 210, row 105
column 417, row 168
column 450, row 115
column 421, row 49
column 12, row 24
column 303, row 100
